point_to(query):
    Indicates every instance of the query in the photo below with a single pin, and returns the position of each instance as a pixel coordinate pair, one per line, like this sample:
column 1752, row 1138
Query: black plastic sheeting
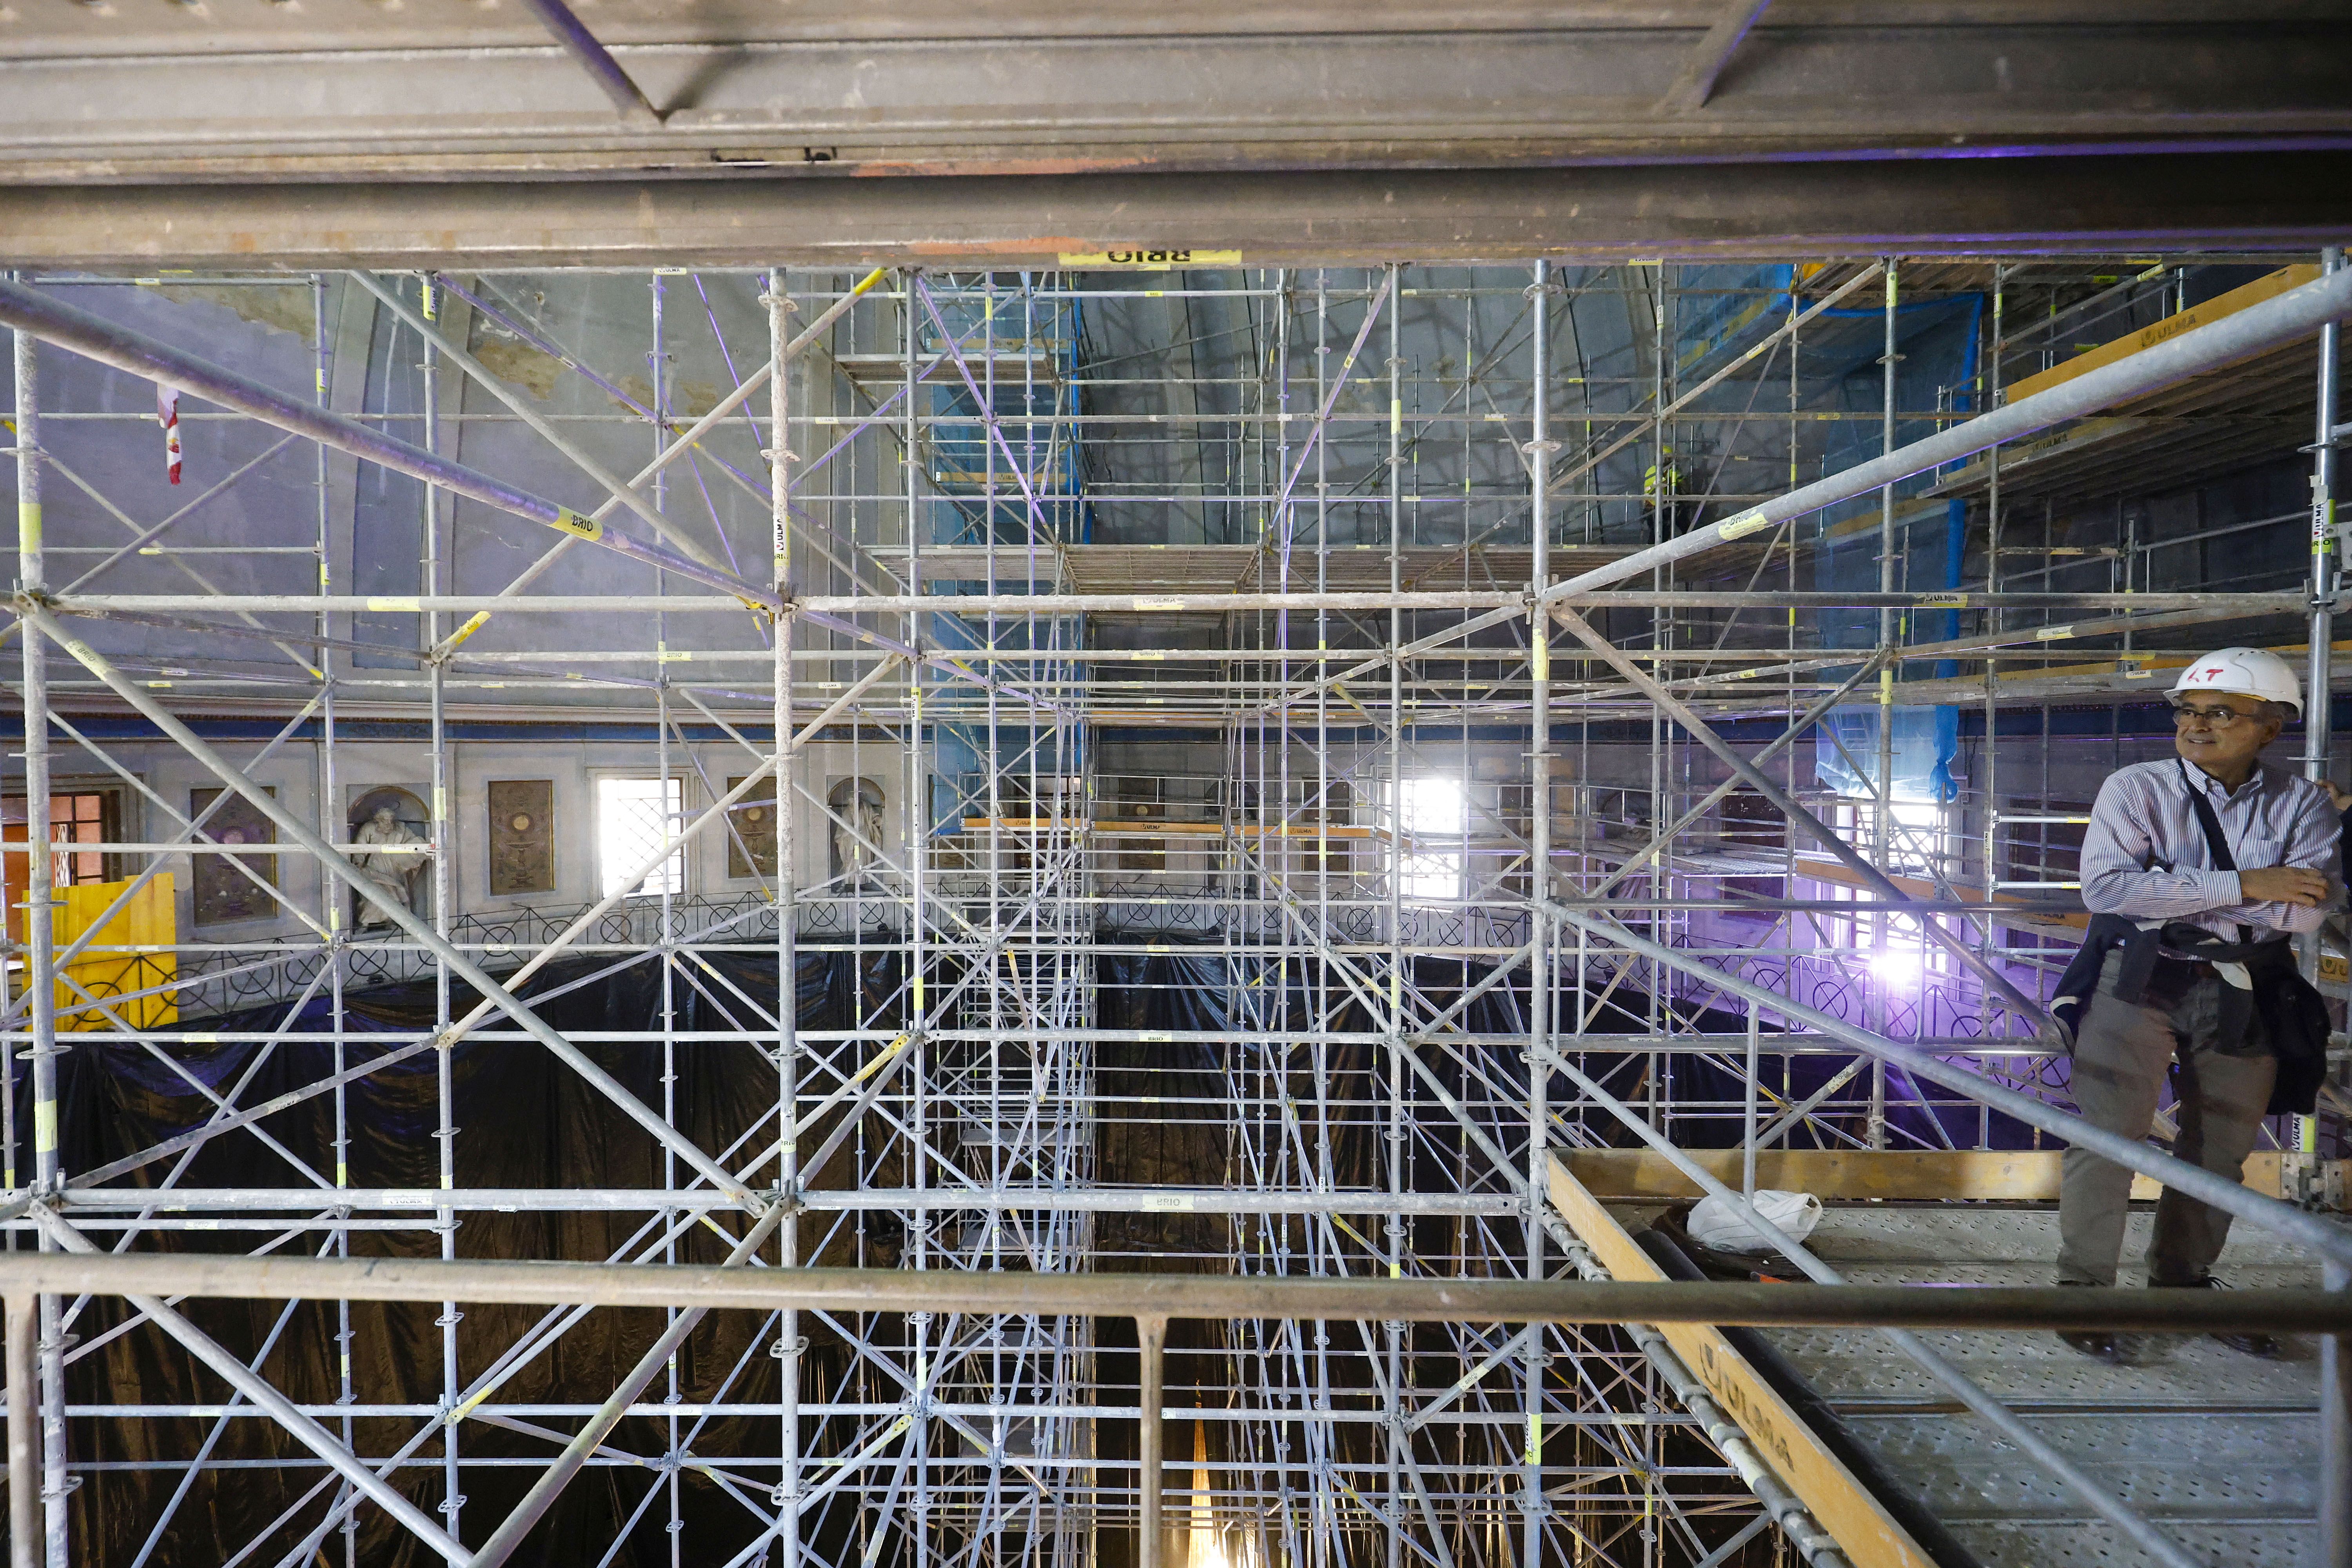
column 1229, row 997
column 1200, row 988
column 525, row 1121
column 1203, row 990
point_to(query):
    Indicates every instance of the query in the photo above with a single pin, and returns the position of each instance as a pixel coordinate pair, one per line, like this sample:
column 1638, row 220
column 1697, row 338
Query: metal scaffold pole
column 2320, row 662
column 1131, row 963
column 1539, row 928
column 2334, row 1352
column 789, row 1343
column 38, row 931
column 1882, row 830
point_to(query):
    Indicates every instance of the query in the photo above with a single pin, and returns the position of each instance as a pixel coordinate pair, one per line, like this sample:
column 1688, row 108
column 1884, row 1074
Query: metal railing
column 146, row 1280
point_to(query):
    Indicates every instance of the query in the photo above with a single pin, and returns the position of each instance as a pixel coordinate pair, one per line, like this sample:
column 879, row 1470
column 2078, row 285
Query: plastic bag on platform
column 1716, row 1224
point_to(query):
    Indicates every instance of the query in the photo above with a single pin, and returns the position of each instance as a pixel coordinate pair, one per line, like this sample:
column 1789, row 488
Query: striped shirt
column 2144, row 855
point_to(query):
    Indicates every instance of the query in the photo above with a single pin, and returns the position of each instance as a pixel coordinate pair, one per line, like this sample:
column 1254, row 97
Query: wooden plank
column 1863, row 1530
column 2172, row 326
column 1814, row 871
column 2022, row 1175
column 1998, row 1175
column 2145, row 667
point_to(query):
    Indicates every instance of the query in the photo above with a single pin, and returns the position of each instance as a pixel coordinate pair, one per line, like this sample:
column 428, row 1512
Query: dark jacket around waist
column 2294, row 1013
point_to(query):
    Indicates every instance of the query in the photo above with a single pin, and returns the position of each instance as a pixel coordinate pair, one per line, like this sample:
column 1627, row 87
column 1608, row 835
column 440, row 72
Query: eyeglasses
column 2215, row 718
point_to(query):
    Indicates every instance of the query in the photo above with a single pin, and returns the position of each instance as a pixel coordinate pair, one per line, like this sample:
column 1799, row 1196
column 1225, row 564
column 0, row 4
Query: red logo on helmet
column 2213, row 672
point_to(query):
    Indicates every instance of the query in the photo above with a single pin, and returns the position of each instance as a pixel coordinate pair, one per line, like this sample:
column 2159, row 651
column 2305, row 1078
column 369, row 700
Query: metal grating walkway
column 2221, row 1449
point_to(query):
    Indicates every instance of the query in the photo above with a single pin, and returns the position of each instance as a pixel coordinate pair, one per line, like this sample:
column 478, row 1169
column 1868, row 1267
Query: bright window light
column 1923, row 816
column 1904, row 963
column 1899, row 962
column 634, row 818
column 1432, row 876
column 1430, row 809
column 1433, row 805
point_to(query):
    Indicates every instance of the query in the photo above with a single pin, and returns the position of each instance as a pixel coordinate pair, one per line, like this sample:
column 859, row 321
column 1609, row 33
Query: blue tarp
column 1938, row 342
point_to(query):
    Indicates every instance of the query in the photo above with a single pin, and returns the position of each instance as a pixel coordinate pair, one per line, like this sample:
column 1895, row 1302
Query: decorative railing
column 498, row 939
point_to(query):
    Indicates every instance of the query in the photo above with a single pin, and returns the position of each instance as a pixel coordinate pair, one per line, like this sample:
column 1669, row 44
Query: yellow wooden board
column 148, row 922
column 2212, row 311
column 1863, row 1530
column 2152, row 665
column 2004, row 1176
column 1814, row 871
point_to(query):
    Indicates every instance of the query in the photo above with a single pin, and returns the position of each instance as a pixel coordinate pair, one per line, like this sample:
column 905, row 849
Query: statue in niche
column 389, row 817
column 856, row 830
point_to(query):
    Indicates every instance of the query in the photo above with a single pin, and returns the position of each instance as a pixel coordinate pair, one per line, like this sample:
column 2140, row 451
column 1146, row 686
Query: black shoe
column 2245, row 1341
column 2099, row 1344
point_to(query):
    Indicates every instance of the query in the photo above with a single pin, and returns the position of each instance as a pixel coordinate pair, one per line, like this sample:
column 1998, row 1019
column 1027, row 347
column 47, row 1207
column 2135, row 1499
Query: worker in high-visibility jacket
column 1650, row 477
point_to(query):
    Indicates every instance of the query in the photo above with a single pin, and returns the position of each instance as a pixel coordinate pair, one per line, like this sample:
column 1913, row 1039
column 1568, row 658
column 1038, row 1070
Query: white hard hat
column 2246, row 672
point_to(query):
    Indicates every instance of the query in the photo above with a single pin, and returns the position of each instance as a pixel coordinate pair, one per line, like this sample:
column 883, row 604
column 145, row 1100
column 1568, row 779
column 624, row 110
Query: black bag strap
column 2216, row 841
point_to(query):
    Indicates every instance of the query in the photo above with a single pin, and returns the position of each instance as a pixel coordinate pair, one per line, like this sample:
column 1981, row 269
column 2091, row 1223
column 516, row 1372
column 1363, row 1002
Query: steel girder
column 2126, row 201
column 1226, row 86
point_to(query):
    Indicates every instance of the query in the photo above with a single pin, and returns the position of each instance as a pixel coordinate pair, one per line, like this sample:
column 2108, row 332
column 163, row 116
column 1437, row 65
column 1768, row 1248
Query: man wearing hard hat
column 2196, row 868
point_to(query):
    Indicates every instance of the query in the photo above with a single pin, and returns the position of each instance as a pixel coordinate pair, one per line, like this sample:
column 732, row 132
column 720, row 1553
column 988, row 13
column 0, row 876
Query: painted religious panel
column 522, row 836
column 220, row 893
column 753, row 821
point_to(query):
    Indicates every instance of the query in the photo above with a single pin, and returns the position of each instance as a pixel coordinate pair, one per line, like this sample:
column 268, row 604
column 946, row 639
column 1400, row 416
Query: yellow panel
column 1863, row 1530
column 148, row 920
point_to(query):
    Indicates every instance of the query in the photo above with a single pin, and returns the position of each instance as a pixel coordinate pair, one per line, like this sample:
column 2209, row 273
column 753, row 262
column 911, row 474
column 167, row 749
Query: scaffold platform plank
column 2000, row 1176
column 1868, row 1535
column 2218, row 1449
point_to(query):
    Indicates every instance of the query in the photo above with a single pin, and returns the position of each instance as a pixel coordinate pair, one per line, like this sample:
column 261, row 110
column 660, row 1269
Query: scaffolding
column 1238, row 773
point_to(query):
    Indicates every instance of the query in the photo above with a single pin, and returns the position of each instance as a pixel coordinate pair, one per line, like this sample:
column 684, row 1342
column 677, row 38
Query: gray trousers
column 2120, row 1060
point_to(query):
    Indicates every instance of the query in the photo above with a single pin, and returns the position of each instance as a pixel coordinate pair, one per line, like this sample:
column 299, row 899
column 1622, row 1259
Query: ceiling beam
column 598, row 62
column 1696, row 84
column 2124, row 204
column 1540, row 94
